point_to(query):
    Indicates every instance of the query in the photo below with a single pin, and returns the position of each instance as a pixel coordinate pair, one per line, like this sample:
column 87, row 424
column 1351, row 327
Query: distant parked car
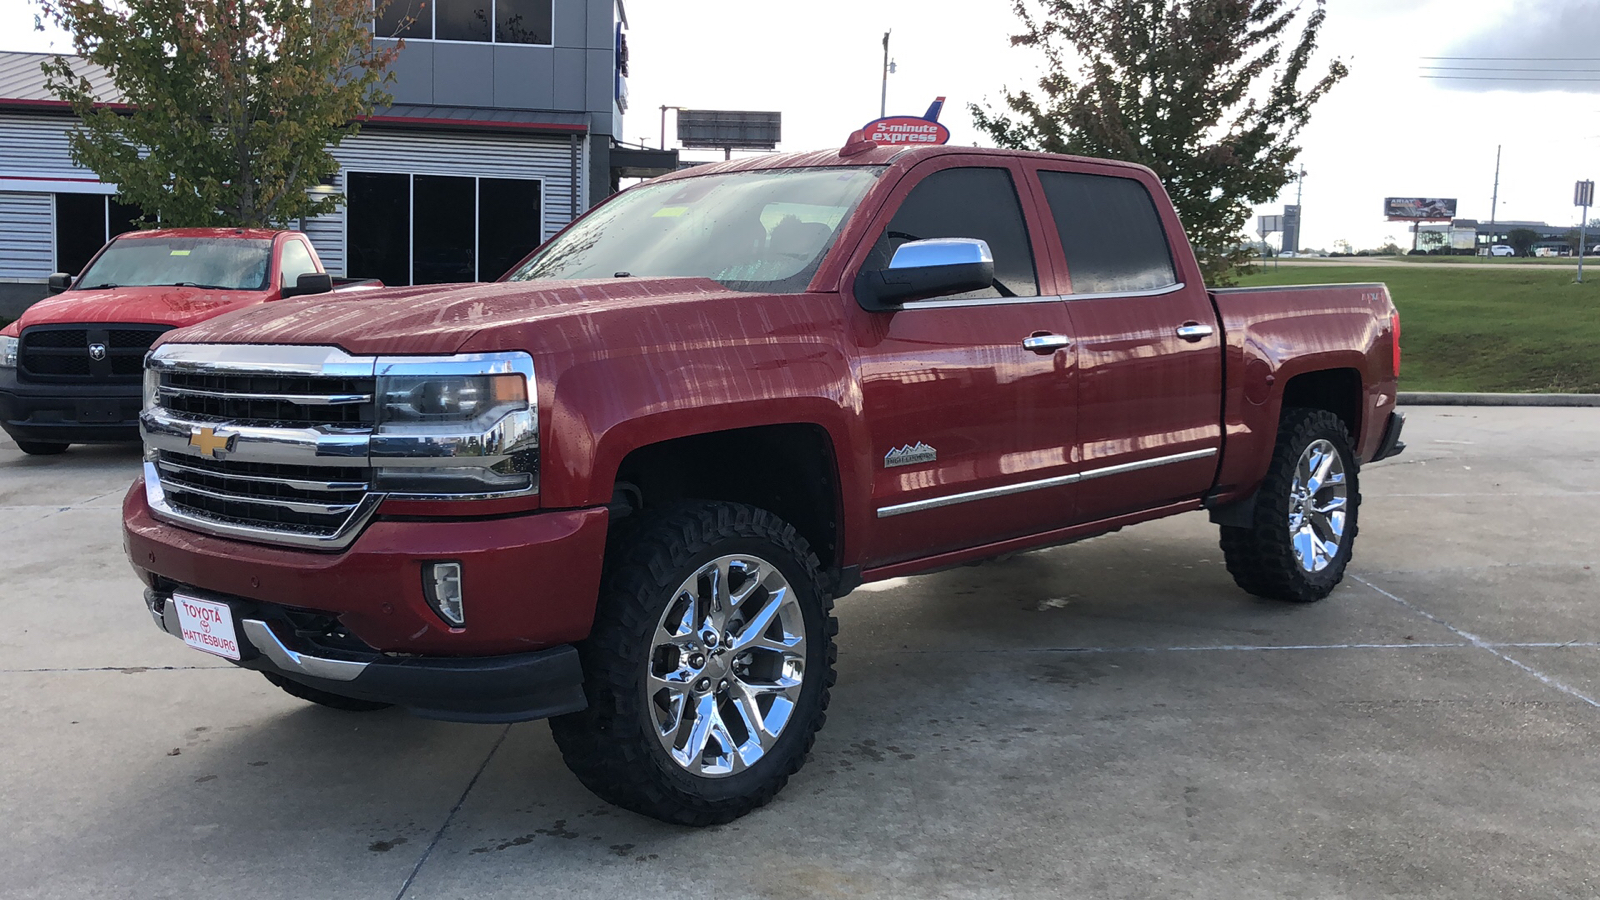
column 1502, row 250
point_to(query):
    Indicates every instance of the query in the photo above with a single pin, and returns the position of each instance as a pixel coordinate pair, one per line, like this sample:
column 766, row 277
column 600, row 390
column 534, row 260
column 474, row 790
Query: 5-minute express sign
column 905, row 130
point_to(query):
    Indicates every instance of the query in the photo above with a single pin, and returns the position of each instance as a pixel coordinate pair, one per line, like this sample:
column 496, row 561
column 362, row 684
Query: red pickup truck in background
column 70, row 368
column 623, row 487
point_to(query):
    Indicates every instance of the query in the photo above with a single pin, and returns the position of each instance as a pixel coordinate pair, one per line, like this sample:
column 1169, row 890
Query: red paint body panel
column 530, row 581
column 1274, row 334
column 625, row 363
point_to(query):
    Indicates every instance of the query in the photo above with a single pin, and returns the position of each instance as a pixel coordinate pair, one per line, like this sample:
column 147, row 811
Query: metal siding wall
column 545, row 157
column 26, row 236
column 35, row 146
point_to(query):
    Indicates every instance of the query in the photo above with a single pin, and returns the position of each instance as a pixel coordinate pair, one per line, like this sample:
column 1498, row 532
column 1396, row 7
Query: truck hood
column 435, row 319
column 175, row 306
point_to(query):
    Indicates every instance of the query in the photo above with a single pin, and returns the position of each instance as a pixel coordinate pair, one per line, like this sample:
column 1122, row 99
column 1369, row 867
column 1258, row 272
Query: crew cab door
column 1148, row 343
column 968, row 427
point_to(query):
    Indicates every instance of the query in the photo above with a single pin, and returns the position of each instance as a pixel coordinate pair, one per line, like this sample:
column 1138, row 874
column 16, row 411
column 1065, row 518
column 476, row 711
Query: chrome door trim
column 898, row 509
column 1048, row 298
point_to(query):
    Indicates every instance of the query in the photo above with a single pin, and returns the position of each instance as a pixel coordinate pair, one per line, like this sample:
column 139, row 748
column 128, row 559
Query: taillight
column 1394, row 324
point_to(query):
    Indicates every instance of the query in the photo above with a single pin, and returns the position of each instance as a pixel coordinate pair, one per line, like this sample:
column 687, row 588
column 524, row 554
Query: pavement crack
column 428, row 851
column 1489, row 646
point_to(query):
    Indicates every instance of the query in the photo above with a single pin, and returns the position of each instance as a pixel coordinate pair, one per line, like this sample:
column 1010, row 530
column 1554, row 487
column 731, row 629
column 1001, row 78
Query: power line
column 1518, row 58
column 1493, row 78
column 1503, row 69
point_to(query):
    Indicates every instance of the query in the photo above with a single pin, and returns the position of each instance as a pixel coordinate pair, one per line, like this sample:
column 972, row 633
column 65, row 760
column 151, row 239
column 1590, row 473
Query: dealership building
column 503, row 129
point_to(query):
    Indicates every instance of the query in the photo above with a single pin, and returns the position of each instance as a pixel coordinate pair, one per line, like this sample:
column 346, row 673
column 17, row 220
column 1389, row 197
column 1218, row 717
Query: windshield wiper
column 96, row 287
column 196, row 284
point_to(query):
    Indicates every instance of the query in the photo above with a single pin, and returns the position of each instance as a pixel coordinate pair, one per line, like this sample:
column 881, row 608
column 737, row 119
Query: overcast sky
column 1387, row 130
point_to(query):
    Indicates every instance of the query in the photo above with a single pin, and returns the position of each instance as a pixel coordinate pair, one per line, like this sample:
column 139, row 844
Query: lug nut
column 697, row 660
column 702, row 684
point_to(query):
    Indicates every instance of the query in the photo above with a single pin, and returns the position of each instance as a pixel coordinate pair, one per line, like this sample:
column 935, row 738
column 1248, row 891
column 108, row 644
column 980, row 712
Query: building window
column 84, row 223
column 439, row 229
column 473, row 21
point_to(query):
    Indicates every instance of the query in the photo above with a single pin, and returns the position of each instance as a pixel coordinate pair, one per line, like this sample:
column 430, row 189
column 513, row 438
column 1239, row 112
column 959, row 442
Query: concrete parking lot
column 1111, row 719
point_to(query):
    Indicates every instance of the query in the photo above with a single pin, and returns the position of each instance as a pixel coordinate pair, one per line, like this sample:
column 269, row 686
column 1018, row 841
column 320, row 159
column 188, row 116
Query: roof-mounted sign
column 900, row 131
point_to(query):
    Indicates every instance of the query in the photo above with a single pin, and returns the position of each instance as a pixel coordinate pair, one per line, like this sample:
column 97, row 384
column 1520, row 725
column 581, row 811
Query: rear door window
column 1110, row 232
column 967, row 203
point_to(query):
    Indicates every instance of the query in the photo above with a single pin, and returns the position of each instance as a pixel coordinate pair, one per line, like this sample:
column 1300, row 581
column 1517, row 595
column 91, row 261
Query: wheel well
column 785, row 469
column 1336, row 390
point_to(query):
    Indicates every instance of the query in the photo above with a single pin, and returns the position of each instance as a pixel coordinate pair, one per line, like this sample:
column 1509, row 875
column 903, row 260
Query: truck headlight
column 457, row 425
column 8, row 352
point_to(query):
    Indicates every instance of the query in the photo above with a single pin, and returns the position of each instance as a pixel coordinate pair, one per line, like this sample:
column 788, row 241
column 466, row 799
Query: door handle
column 1194, row 331
column 1043, row 344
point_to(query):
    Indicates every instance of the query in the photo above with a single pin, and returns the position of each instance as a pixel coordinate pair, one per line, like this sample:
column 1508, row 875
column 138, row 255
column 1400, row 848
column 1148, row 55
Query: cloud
column 1550, row 46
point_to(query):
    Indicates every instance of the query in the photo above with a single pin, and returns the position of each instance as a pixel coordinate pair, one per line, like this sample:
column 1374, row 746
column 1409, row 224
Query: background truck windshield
column 231, row 264
column 751, row 231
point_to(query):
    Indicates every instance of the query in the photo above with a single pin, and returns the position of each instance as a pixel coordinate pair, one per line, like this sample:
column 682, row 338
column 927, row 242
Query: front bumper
column 69, row 413
column 512, row 688
column 529, row 581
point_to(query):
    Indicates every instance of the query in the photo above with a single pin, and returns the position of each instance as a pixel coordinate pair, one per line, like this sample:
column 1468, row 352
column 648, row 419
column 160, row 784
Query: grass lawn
column 1515, row 329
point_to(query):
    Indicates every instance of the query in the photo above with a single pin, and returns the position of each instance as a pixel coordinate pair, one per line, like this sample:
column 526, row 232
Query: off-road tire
column 41, row 448
column 610, row 746
column 323, row 698
column 1261, row 558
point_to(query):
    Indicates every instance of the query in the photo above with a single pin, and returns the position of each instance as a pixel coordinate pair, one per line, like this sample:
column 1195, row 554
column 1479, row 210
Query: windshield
column 234, row 264
column 761, row 231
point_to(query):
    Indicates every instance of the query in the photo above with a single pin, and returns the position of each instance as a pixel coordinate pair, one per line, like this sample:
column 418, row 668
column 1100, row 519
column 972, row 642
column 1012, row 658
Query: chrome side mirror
column 921, row 270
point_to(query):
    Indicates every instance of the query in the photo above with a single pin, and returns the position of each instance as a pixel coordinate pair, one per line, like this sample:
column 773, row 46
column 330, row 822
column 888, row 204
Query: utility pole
column 1494, row 202
column 883, row 100
column 1583, row 198
column 1299, row 211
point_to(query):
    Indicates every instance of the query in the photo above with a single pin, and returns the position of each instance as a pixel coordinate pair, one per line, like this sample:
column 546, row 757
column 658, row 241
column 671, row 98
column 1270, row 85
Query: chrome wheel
column 1318, row 497
column 727, row 661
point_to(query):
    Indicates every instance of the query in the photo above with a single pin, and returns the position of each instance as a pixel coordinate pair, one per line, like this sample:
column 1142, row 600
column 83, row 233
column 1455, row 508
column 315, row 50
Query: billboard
column 1422, row 209
column 722, row 129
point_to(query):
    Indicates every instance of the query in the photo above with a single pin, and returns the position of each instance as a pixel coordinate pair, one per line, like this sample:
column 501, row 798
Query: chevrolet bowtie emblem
column 209, row 443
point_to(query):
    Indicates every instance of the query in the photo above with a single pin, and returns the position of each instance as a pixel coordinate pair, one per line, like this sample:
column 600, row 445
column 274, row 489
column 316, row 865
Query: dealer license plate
column 207, row 626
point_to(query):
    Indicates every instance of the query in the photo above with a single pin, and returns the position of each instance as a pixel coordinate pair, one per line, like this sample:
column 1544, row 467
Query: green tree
column 1207, row 93
column 1522, row 240
column 226, row 109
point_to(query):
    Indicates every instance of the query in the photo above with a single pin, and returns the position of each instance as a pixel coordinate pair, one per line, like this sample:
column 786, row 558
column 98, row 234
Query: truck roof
column 225, row 233
column 897, row 156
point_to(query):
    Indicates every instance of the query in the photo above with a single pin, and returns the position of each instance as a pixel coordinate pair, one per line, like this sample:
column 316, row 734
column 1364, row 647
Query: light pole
column 883, row 100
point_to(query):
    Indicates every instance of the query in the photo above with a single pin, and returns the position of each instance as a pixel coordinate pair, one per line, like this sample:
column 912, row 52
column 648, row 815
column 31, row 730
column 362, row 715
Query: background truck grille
column 311, row 500
column 61, row 353
column 278, row 400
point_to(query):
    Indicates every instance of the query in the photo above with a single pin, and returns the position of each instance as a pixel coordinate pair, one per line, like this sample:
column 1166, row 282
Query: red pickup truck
column 70, row 367
column 622, row 487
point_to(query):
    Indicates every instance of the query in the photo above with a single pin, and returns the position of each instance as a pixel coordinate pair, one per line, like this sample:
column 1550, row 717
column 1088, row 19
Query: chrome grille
column 312, row 500
column 281, row 444
column 292, row 401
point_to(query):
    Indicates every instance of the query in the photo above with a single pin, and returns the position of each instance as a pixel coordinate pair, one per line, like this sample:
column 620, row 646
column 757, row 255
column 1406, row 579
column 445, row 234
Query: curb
column 1430, row 398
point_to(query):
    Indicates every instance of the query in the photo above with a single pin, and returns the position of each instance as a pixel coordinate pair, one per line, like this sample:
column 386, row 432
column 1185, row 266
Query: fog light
column 441, row 581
